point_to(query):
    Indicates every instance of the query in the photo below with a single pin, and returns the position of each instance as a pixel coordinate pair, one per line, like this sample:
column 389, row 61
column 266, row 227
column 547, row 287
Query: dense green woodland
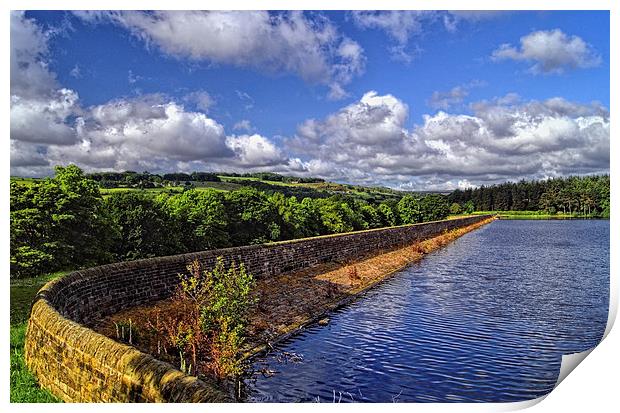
column 587, row 195
column 114, row 179
column 64, row 222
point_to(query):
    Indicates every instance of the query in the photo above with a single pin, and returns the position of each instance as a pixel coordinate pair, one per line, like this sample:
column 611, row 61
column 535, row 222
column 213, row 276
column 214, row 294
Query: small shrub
column 209, row 331
column 418, row 249
column 224, row 349
column 225, row 316
column 178, row 333
column 127, row 332
column 354, row 277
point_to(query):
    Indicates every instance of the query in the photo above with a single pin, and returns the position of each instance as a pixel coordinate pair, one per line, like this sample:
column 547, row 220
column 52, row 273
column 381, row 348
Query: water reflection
column 485, row 319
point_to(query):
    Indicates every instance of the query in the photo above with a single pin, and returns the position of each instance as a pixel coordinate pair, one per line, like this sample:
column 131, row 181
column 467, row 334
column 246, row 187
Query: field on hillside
column 24, row 181
column 231, row 183
column 199, row 186
column 530, row 215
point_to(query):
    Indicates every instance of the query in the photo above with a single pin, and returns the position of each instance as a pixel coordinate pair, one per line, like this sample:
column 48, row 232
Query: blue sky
column 430, row 100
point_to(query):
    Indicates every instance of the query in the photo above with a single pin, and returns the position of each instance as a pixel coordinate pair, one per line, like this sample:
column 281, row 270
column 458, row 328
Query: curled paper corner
column 569, row 362
column 525, row 404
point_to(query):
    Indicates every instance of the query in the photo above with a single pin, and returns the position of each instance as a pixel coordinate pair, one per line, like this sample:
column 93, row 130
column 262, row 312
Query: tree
column 469, row 207
column 387, row 215
column 143, row 227
column 253, row 218
column 205, row 177
column 585, row 195
column 334, row 215
column 370, row 215
column 201, row 218
column 455, row 208
column 433, row 207
column 602, row 187
column 58, row 223
column 409, row 210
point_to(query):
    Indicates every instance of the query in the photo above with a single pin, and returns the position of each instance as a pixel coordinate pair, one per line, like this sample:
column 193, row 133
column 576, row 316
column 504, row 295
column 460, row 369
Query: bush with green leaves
column 434, row 207
column 200, row 216
column 455, row 208
column 143, row 227
column 220, row 300
column 58, row 223
column 253, row 218
column 410, row 210
column 469, row 207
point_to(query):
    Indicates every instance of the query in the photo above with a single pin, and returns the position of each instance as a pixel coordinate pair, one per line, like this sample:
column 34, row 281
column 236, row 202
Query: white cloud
column 290, row 42
column 399, row 25
column 44, row 121
column 76, row 72
column 248, row 101
column 550, row 51
column 203, row 100
column 132, row 77
column 365, row 142
column 443, row 100
column 255, row 150
column 145, row 127
column 243, row 125
column 26, row 154
column 503, row 139
column 454, row 18
column 30, row 76
column 117, row 112
column 402, row 26
column 373, row 120
column 145, row 133
column 41, row 112
column 455, row 96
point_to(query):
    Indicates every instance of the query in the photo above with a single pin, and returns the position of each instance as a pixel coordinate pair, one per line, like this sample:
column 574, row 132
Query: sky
column 429, row 100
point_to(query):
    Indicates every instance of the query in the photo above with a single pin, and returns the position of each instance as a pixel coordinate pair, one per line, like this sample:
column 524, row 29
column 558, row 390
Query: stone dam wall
column 79, row 365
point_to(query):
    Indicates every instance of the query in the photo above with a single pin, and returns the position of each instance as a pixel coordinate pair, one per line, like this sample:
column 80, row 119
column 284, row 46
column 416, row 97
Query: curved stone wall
column 80, row 365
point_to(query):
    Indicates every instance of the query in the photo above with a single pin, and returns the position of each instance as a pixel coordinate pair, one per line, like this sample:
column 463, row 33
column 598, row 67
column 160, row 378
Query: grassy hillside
column 230, row 183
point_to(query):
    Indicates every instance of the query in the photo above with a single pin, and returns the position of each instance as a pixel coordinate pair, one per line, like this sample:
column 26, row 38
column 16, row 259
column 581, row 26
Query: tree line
column 63, row 222
column 324, row 190
column 581, row 195
column 149, row 180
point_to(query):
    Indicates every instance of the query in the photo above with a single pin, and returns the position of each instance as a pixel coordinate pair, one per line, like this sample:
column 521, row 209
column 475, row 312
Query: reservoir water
column 485, row 319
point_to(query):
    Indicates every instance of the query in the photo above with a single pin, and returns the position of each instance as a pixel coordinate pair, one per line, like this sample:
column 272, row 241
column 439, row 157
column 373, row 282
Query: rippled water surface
column 485, row 319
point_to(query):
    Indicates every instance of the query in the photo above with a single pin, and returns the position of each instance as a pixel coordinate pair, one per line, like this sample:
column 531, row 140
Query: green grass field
column 529, row 215
column 24, row 386
column 105, row 192
column 232, row 179
column 24, row 181
column 328, row 186
column 201, row 186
